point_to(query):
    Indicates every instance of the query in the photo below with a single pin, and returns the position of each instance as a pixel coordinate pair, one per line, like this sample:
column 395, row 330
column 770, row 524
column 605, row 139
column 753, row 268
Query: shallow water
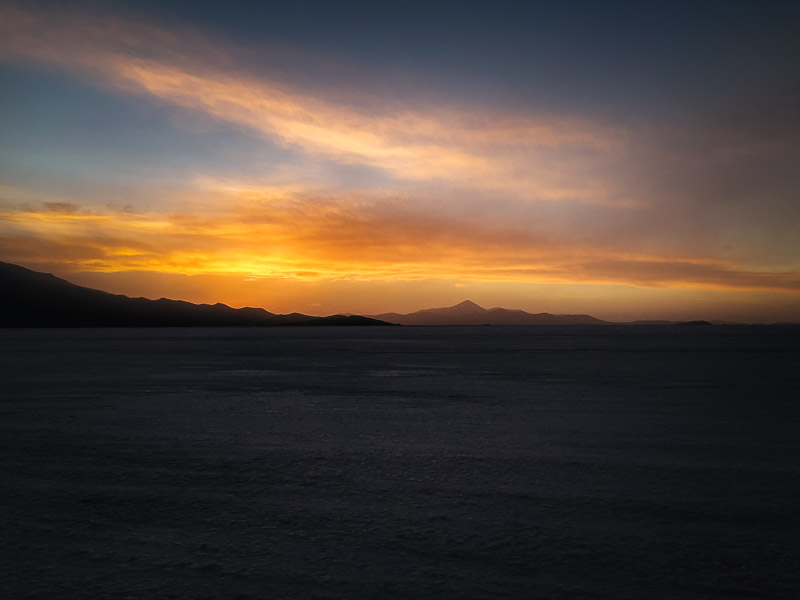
column 484, row 462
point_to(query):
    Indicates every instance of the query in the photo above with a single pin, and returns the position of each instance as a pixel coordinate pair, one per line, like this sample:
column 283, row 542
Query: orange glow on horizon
column 335, row 244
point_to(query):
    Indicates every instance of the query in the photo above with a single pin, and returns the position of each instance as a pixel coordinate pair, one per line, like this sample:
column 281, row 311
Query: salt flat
column 484, row 462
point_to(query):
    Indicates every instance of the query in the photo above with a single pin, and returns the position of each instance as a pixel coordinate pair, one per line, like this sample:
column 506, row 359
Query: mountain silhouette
column 469, row 313
column 32, row 299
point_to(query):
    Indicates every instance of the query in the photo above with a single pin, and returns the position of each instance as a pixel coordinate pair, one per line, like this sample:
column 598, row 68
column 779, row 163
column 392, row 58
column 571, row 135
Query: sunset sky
column 627, row 160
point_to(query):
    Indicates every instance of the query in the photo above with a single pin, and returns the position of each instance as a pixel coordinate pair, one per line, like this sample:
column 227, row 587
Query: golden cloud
column 328, row 241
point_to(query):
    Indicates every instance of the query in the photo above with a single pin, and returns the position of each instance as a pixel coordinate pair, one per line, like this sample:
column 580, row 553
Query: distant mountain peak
column 468, row 304
column 467, row 307
column 469, row 313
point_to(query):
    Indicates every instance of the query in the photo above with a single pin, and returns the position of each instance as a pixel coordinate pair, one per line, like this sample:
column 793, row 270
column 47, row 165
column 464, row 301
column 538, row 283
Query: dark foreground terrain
column 29, row 299
column 613, row 462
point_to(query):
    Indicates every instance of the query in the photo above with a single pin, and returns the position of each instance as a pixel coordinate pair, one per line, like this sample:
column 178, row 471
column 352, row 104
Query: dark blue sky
column 619, row 57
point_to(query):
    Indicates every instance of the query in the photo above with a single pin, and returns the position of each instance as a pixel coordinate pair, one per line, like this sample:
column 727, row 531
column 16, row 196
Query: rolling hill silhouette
column 469, row 313
column 32, row 299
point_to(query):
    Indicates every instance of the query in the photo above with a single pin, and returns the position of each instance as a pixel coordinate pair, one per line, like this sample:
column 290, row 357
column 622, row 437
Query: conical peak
column 468, row 303
column 468, row 306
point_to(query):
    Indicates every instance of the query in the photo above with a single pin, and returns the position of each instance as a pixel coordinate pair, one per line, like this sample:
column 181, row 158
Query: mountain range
column 469, row 313
column 32, row 299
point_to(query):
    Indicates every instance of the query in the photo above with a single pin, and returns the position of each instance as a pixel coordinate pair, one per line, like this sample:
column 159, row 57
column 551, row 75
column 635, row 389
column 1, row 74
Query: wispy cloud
column 545, row 157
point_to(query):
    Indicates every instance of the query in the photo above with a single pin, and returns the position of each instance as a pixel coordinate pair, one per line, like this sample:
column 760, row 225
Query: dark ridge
column 32, row 299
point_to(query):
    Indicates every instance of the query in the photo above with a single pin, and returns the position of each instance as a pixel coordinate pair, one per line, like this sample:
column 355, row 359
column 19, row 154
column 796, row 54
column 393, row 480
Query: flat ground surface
column 486, row 462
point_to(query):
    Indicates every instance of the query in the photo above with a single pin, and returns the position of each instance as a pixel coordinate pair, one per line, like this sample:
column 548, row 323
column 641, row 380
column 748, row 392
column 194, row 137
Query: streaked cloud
column 258, row 239
column 544, row 157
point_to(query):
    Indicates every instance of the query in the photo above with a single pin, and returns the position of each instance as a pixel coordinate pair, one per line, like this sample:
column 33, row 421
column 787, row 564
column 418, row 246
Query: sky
column 627, row 160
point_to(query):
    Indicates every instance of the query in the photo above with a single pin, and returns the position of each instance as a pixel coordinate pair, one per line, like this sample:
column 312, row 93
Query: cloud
column 545, row 157
column 293, row 238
